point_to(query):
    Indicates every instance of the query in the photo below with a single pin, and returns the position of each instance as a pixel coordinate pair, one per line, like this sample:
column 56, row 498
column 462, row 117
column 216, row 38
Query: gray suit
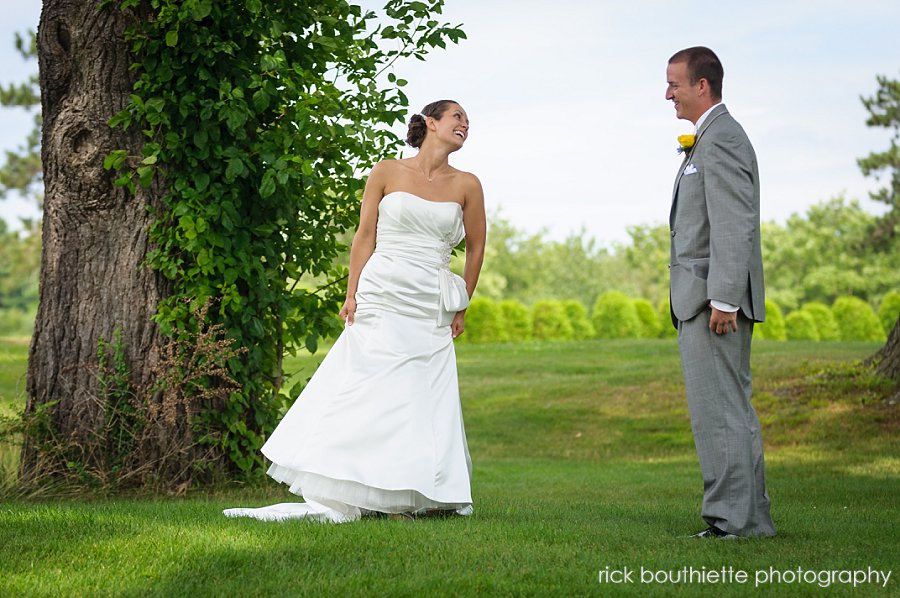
column 715, row 255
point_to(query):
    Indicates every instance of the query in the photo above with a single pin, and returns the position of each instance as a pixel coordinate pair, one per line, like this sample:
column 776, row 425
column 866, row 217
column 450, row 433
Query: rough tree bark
column 95, row 234
column 888, row 357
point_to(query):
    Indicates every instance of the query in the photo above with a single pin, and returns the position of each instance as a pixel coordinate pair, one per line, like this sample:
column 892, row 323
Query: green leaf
column 114, row 160
column 145, row 175
column 201, row 10
column 201, row 180
column 260, row 100
column 267, row 188
column 172, row 38
column 235, row 169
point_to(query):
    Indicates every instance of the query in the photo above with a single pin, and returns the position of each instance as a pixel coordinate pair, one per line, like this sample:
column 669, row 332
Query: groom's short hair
column 702, row 63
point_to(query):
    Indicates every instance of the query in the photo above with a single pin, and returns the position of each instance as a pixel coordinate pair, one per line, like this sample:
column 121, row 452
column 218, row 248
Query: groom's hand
column 721, row 322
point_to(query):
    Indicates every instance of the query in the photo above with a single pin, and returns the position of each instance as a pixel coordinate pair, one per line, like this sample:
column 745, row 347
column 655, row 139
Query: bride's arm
column 364, row 240
column 474, row 221
column 476, row 226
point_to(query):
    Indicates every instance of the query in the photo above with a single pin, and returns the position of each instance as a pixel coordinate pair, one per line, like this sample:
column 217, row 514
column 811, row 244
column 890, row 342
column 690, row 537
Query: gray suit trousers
column 726, row 428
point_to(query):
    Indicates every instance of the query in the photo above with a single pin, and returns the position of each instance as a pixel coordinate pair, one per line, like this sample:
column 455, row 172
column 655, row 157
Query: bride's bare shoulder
column 468, row 181
column 392, row 166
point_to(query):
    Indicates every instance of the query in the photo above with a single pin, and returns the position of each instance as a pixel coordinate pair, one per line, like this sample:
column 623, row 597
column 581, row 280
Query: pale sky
column 569, row 124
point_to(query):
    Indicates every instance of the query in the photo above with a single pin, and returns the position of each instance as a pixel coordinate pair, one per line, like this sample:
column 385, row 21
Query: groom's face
column 683, row 94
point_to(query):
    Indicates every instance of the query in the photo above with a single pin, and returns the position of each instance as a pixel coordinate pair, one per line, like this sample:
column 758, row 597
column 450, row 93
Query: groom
column 716, row 289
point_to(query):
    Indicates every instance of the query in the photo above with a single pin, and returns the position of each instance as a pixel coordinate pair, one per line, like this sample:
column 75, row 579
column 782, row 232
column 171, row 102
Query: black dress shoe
column 714, row 532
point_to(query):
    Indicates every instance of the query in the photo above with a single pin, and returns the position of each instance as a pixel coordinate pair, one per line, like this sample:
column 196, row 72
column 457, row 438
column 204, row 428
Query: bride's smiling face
column 452, row 126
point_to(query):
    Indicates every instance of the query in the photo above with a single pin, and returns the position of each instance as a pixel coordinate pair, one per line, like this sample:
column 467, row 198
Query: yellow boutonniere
column 686, row 142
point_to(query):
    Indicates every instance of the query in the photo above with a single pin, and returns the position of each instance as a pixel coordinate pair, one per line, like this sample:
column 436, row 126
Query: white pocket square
column 690, row 169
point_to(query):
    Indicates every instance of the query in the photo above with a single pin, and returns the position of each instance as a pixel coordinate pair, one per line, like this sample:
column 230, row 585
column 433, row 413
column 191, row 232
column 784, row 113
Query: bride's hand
column 458, row 325
column 348, row 312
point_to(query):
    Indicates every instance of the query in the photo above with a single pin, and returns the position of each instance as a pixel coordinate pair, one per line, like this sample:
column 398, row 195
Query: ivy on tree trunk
column 199, row 150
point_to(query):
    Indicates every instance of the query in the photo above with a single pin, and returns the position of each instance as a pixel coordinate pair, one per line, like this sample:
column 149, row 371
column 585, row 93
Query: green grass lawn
column 583, row 461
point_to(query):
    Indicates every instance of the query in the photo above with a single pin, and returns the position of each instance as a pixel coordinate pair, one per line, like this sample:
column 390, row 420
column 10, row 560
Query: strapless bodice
column 409, row 272
column 418, row 229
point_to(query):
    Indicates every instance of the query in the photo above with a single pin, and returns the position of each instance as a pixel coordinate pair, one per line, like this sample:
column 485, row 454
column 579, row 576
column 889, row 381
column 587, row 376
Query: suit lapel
column 716, row 113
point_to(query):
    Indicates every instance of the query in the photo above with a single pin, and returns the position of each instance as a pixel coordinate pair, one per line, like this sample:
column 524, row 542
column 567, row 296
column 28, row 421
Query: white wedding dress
column 379, row 426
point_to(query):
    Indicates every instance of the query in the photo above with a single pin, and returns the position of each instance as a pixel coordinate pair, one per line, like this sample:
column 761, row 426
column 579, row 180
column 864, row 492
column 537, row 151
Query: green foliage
column 484, row 322
column 549, row 321
column 884, row 111
column 826, row 254
column 259, row 119
column 815, row 256
column 516, row 320
column 889, row 311
column 650, row 324
column 615, row 316
column 21, row 170
column 528, row 267
column 578, row 318
column 856, row 320
column 20, row 260
column 664, row 311
column 826, row 325
column 124, row 419
column 773, row 328
column 801, row 326
column 646, row 260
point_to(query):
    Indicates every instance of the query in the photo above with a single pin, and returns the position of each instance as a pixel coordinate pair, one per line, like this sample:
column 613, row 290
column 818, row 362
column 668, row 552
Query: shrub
column 516, row 320
column 615, row 316
column 665, row 319
column 856, row 320
column 484, row 322
column 773, row 328
column 549, row 321
column 889, row 311
column 801, row 326
column 826, row 325
column 578, row 318
column 650, row 325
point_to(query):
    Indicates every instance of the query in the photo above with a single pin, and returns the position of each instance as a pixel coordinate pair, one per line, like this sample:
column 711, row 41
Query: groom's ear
column 703, row 87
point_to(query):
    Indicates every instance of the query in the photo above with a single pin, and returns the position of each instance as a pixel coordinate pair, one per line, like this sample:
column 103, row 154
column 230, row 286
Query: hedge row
column 615, row 315
column 848, row 319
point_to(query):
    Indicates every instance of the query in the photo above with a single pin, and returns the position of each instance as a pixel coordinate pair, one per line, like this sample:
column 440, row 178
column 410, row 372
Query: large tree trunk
column 94, row 234
column 888, row 357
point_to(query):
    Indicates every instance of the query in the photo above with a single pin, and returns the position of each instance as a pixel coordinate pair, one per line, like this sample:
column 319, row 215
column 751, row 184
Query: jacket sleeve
column 732, row 204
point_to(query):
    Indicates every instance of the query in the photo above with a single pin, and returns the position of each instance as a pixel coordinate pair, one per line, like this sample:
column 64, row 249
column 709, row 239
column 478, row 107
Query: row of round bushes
column 615, row 315
column 848, row 319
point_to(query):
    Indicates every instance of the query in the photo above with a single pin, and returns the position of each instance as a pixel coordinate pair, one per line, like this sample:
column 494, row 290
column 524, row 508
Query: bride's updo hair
column 417, row 129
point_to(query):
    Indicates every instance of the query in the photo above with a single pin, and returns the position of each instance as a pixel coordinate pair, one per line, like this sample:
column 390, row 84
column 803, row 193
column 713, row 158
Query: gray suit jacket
column 715, row 250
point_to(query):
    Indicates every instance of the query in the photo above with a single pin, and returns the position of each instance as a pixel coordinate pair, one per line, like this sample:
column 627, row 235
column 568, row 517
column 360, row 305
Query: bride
column 379, row 428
